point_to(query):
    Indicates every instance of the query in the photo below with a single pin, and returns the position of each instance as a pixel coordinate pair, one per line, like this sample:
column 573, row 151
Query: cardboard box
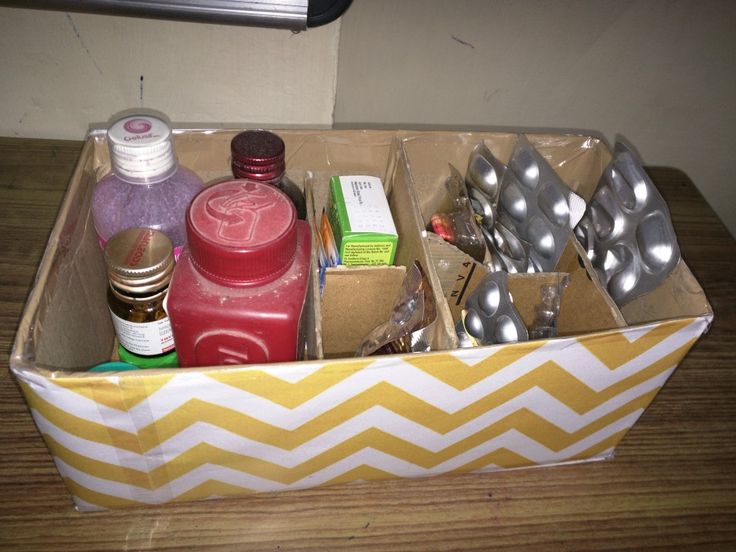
column 361, row 221
column 149, row 437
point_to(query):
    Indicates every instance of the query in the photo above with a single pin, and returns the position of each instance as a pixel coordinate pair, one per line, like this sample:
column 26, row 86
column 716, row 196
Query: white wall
column 661, row 73
column 59, row 72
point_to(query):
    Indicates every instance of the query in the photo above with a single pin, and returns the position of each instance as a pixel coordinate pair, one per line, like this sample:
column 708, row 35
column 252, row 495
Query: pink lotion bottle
column 146, row 187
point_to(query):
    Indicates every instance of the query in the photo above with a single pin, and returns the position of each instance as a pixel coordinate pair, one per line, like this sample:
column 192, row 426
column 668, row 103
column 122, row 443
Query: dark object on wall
column 296, row 15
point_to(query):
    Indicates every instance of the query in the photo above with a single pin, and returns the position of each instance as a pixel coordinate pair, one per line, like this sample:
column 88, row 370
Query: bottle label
column 177, row 250
column 144, row 338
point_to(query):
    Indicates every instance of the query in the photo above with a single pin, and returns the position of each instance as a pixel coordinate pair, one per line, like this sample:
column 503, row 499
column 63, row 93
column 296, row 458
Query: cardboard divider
column 526, row 292
column 586, row 306
column 354, row 302
column 70, row 327
column 679, row 295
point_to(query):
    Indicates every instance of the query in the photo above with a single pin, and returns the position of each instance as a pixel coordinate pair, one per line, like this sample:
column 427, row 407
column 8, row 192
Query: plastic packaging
column 458, row 226
column 239, row 288
column 260, row 155
column 627, row 230
column 548, row 310
column 146, row 187
column 408, row 328
column 327, row 253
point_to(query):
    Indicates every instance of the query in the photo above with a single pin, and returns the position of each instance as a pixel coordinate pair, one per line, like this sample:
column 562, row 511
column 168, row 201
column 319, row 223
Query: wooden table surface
column 672, row 484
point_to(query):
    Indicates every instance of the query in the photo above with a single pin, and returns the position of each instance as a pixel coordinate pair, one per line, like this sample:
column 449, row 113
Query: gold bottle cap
column 139, row 260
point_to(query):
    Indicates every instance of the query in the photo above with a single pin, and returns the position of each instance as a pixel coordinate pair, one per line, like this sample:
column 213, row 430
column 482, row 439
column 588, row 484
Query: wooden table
column 672, row 484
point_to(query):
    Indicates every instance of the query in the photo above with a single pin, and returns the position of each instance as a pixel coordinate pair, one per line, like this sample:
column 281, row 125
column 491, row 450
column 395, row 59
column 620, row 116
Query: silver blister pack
column 485, row 172
column 538, row 206
column 507, row 251
column 483, row 179
column 490, row 314
column 627, row 230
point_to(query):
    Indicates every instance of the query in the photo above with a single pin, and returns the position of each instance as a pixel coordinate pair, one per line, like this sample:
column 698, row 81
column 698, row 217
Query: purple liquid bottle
column 146, row 187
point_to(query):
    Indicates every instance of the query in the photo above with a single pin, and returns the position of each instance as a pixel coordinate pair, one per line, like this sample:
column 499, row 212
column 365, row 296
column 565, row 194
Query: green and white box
column 361, row 220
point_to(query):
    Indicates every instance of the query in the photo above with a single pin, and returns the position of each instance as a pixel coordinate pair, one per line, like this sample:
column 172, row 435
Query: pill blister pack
column 627, row 231
column 484, row 172
column 537, row 206
column 490, row 316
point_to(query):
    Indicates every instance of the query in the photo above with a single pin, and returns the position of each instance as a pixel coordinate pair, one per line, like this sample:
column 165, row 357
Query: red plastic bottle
column 239, row 287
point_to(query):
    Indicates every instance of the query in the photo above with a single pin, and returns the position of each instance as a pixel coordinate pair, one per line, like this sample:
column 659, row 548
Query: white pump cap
column 141, row 147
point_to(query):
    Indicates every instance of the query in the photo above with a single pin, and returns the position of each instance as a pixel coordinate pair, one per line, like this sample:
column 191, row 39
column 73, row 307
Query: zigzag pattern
column 125, row 440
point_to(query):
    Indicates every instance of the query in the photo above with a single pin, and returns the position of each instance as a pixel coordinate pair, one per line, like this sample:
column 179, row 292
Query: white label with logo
column 144, row 338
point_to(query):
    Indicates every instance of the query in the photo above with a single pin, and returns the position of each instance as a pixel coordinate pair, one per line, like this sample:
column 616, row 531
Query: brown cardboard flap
column 585, row 306
column 70, row 324
column 354, row 302
column 679, row 295
column 446, row 259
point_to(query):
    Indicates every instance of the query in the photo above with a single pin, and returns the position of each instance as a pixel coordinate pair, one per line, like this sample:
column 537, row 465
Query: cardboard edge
column 444, row 316
column 593, row 275
column 18, row 358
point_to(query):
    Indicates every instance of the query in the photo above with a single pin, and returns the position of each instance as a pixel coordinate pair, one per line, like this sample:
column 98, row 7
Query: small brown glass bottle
column 140, row 262
column 260, row 155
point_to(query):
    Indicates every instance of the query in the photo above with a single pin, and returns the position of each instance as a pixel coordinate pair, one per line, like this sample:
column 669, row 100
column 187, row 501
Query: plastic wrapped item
column 459, row 226
column 627, row 230
column 548, row 310
column 490, row 315
column 327, row 254
column 409, row 327
column 537, row 206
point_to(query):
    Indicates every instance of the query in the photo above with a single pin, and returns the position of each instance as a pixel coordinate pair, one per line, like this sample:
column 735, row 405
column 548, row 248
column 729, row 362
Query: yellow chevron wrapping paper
column 149, row 438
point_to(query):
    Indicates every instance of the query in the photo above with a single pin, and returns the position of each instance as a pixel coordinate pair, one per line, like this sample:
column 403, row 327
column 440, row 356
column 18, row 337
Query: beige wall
column 661, row 73
column 59, row 72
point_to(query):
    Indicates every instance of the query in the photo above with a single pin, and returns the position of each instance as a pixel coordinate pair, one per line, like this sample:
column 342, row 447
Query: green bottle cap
column 113, row 366
column 169, row 360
